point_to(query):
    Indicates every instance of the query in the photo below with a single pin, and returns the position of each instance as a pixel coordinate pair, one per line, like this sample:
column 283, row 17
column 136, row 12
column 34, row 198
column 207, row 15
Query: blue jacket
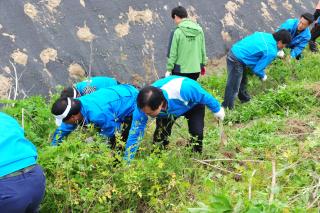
column 105, row 108
column 181, row 94
column 299, row 41
column 16, row 152
column 256, row 51
column 95, row 83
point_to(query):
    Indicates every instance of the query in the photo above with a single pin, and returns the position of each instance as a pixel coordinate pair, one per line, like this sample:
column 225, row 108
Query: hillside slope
column 274, row 137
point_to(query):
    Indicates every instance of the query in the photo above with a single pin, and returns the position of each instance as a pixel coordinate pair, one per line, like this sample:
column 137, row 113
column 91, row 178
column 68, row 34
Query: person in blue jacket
column 300, row 34
column 88, row 86
column 106, row 108
column 256, row 52
column 22, row 182
column 167, row 99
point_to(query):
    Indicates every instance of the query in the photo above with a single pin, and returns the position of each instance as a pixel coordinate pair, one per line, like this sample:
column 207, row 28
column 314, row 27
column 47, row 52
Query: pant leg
column 243, row 93
column 315, row 32
column 299, row 56
column 37, row 186
column 193, row 76
column 235, row 72
column 22, row 193
column 163, row 130
column 126, row 128
column 195, row 118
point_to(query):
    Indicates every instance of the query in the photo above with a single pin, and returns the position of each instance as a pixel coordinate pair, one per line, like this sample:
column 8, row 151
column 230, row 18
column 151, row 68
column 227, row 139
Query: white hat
column 59, row 118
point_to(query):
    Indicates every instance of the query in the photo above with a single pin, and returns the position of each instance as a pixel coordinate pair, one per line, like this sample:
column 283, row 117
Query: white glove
column 220, row 115
column 280, row 54
column 264, row 78
column 167, row 74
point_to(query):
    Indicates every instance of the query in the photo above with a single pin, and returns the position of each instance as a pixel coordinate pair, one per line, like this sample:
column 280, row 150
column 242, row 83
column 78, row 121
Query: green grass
column 280, row 124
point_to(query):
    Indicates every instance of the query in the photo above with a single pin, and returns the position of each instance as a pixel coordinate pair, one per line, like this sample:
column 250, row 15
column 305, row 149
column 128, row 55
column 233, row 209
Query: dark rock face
column 51, row 42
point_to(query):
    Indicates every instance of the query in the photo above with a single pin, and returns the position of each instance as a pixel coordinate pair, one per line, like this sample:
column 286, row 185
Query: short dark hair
column 60, row 106
column 150, row 96
column 283, row 35
column 179, row 11
column 67, row 92
column 308, row 16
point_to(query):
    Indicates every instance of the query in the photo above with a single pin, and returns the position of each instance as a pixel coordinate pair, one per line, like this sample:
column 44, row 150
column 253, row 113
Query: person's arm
column 297, row 50
column 138, row 125
column 193, row 92
column 173, row 52
column 109, row 128
column 261, row 65
column 287, row 25
column 62, row 131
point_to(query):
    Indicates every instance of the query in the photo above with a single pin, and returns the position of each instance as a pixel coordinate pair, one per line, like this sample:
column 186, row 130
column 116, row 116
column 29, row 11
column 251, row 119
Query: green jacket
column 187, row 51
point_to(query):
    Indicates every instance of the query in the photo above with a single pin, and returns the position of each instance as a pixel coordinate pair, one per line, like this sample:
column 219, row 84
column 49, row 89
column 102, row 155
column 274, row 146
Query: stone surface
column 124, row 39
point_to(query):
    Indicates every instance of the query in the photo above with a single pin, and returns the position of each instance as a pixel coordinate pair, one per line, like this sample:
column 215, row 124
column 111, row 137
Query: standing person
column 255, row 51
column 107, row 109
column 315, row 31
column 168, row 99
column 22, row 182
column 186, row 52
column 300, row 34
column 88, row 86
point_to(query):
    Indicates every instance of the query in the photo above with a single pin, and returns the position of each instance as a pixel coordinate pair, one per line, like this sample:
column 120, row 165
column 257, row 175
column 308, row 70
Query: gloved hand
column 220, row 115
column 264, row 78
column 167, row 74
column 203, row 70
column 280, row 54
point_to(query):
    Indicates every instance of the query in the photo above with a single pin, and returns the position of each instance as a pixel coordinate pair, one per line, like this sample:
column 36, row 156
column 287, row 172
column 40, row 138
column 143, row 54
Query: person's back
column 22, row 182
column 88, row 86
column 16, row 151
column 190, row 51
column 94, row 83
column 256, row 51
column 183, row 93
column 109, row 105
column 186, row 51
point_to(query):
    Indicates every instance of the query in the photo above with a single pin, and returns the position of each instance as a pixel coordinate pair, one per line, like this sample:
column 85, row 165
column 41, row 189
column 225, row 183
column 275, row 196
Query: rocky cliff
column 55, row 42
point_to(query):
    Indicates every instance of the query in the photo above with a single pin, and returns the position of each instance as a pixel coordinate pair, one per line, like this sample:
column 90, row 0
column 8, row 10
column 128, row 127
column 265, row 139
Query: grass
column 280, row 124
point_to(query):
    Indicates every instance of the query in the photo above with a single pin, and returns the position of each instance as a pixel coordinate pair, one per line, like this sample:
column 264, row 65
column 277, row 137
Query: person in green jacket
column 186, row 52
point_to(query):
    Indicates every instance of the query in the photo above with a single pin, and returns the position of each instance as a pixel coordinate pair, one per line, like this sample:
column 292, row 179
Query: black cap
column 308, row 16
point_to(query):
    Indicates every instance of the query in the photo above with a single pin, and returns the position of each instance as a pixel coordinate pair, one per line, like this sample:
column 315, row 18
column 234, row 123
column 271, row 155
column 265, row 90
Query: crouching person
column 22, row 182
column 166, row 100
column 300, row 33
column 108, row 109
column 256, row 52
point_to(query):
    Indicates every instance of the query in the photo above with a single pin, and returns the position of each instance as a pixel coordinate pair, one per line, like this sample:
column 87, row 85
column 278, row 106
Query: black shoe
column 245, row 100
column 313, row 46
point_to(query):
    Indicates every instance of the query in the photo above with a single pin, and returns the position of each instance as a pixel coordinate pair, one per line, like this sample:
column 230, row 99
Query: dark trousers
column 315, row 32
column 126, row 125
column 193, row 76
column 236, row 83
column 195, row 117
column 22, row 193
